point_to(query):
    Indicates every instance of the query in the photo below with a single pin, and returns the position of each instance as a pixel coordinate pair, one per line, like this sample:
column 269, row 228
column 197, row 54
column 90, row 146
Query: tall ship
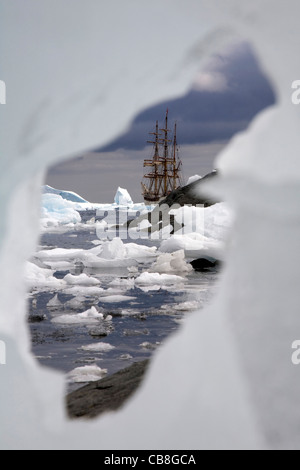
column 163, row 171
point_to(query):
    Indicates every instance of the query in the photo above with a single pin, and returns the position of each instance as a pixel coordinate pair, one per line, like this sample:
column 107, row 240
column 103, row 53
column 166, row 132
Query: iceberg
column 68, row 195
column 57, row 211
column 122, row 197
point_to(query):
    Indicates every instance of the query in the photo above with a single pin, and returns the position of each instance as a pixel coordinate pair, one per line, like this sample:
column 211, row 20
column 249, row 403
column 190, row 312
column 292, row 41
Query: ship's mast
column 155, row 157
column 165, row 167
column 154, row 164
column 174, row 158
column 166, row 142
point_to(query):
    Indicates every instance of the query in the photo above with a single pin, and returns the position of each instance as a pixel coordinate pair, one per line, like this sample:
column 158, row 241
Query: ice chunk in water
column 89, row 316
column 81, row 280
column 147, row 278
column 98, row 347
column 171, row 263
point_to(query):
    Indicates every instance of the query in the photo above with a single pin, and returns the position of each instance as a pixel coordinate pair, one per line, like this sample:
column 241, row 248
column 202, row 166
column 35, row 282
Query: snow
column 192, row 179
column 122, row 197
column 242, row 341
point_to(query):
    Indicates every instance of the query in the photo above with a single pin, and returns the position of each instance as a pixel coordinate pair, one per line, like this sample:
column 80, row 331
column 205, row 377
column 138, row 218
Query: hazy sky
column 222, row 101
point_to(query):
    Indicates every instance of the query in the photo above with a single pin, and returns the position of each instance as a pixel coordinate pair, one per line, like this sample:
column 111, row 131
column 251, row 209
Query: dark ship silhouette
column 163, row 174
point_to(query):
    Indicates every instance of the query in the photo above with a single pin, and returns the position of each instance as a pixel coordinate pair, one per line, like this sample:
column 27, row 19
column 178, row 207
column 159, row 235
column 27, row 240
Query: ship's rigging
column 163, row 173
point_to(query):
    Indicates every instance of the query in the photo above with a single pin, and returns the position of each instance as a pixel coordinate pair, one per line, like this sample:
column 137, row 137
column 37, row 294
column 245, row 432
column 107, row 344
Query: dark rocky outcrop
column 192, row 194
column 106, row 394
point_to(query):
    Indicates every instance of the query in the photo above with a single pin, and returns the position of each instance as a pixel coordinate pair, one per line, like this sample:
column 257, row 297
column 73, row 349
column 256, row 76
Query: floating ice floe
column 121, row 283
column 54, row 302
column 58, row 254
column 81, row 280
column 76, row 303
column 98, row 347
column 111, row 299
column 117, row 249
column 171, row 263
column 85, row 374
column 150, row 346
column 89, row 316
column 148, row 279
column 187, row 306
column 84, row 291
column 195, row 245
column 40, row 278
column 109, row 254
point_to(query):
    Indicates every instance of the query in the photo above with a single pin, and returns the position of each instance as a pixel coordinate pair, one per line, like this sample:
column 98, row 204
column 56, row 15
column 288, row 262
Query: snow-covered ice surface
column 243, row 392
column 192, row 179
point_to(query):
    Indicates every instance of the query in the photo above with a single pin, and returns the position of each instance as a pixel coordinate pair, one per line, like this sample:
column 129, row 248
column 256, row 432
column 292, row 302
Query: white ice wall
column 76, row 74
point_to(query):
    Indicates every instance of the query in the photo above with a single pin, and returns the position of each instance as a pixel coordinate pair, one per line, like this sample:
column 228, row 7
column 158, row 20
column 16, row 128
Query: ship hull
column 152, row 200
